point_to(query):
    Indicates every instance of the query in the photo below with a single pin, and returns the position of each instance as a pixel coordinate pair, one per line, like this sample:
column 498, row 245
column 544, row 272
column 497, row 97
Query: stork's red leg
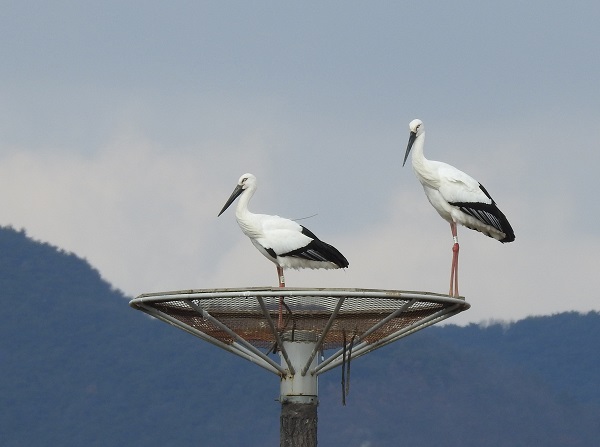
column 281, row 280
column 454, row 269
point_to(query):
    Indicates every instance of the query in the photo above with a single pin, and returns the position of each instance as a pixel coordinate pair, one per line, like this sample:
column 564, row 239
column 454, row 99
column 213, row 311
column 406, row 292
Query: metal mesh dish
column 249, row 321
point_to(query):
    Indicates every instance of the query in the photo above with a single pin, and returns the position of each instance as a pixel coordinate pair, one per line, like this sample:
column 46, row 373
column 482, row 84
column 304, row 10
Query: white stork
column 457, row 197
column 284, row 242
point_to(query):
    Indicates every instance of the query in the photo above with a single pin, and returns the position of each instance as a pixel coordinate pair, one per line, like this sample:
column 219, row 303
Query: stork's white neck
column 246, row 219
column 423, row 167
column 241, row 208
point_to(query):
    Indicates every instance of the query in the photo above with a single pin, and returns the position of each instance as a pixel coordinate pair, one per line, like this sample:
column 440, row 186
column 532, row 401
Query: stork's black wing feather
column 489, row 214
column 317, row 250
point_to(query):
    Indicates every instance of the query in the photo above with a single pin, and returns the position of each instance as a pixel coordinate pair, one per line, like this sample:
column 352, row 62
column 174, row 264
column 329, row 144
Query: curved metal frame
column 150, row 303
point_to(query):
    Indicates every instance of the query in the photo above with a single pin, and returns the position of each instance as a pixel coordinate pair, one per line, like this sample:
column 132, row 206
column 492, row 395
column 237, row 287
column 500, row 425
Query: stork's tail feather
column 331, row 253
column 318, row 250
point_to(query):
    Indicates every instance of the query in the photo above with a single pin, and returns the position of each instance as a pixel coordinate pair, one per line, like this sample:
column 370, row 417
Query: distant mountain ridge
column 81, row 368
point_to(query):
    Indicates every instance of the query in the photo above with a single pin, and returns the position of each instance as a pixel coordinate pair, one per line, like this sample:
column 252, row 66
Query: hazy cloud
column 124, row 128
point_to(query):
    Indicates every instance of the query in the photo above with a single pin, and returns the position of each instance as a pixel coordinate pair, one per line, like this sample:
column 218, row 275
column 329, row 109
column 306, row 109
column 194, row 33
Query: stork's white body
column 280, row 236
column 444, row 185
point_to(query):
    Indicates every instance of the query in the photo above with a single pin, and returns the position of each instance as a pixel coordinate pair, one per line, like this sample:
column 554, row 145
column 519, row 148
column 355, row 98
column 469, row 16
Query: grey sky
column 124, row 126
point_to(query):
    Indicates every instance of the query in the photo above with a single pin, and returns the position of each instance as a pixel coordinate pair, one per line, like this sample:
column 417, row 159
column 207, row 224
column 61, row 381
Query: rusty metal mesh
column 301, row 315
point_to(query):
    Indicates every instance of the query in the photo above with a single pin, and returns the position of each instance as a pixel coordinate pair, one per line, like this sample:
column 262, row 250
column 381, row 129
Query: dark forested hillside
column 556, row 348
column 81, row 368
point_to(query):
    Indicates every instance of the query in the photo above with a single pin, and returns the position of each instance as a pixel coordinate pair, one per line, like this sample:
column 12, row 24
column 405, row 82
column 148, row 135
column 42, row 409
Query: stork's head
column 416, row 128
column 246, row 181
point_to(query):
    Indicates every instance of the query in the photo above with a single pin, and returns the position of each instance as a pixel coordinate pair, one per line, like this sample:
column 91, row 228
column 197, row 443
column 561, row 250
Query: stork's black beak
column 411, row 140
column 234, row 195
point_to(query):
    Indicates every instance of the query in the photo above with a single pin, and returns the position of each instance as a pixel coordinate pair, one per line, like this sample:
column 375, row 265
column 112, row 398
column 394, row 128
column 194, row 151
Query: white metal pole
column 298, row 393
column 298, row 387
